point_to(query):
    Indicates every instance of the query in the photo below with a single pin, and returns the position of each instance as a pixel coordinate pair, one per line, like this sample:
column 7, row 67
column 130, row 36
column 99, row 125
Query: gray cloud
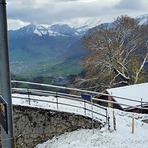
column 50, row 11
column 130, row 4
column 34, row 11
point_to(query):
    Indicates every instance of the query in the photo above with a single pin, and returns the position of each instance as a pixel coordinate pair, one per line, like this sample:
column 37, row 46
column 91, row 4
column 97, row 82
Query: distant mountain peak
column 142, row 16
column 142, row 19
column 72, row 27
column 87, row 22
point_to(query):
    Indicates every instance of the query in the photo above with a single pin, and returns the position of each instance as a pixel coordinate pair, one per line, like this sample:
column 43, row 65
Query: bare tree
column 118, row 53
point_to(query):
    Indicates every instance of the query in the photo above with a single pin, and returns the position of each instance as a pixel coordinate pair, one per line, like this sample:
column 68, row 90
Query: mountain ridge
column 75, row 27
column 61, row 29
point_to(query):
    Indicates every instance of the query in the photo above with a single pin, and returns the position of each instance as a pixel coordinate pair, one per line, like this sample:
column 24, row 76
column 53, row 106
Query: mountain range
column 47, row 50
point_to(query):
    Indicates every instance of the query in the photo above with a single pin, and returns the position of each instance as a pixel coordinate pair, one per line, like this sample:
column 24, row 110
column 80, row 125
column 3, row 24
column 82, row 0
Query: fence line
column 76, row 97
column 87, row 105
column 78, row 90
column 94, row 94
column 30, row 99
column 72, row 97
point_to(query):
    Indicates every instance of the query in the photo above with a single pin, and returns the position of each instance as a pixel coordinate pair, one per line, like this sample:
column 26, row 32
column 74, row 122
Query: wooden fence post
column 110, row 104
column 133, row 125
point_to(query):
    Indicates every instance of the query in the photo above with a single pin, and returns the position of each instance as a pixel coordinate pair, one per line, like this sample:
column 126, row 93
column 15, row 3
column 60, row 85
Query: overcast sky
column 23, row 12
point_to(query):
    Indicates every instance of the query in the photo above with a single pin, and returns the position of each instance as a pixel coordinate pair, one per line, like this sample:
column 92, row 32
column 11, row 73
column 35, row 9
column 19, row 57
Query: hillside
column 39, row 50
column 32, row 54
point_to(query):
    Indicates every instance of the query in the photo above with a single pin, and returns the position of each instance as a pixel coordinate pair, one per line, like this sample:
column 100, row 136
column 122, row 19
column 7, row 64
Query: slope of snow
column 142, row 19
column 84, row 22
column 122, row 137
column 73, row 27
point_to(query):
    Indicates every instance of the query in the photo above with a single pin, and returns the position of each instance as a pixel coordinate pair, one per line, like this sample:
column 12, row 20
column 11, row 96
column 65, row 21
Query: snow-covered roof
column 134, row 92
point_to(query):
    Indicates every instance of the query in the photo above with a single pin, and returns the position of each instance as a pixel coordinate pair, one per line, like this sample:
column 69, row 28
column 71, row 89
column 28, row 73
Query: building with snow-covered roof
column 132, row 97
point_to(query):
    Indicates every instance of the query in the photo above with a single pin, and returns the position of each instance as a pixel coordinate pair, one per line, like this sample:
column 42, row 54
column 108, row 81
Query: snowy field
column 76, row 106
column 122, row 137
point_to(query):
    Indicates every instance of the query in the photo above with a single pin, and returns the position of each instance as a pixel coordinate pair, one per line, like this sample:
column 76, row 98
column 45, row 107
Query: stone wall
column 34, row 125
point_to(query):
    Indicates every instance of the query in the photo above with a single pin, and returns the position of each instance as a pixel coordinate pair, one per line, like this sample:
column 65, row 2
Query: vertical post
column 110, row 104
column 114, row 121
column 57, row 100
column 92, row 114
column 133, row 125
column 28, row 95
column 14, row 142
column 108, row 118
column 141, row 105
column 84, row 107
column 5, row 83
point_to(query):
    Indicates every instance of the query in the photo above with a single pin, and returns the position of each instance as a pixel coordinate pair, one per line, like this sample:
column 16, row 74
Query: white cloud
column 50, row 11
column 14, row 24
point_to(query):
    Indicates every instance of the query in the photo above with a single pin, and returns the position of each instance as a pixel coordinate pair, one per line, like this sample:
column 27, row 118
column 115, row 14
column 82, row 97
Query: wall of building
column 34, row 125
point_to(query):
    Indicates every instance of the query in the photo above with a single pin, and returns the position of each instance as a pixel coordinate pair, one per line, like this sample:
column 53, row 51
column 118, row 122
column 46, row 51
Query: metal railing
column 72, row 100
column 95, row 95
column 90, row 108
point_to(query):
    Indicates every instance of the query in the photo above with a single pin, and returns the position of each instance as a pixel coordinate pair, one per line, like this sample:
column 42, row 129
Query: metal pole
column 84, row 107
column 28, row 95
column 141, row 105
column 92, row 114
column 57, row 100
column 5, row 85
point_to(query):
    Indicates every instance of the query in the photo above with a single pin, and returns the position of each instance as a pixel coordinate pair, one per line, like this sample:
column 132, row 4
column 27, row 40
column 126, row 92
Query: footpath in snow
column 122, row 137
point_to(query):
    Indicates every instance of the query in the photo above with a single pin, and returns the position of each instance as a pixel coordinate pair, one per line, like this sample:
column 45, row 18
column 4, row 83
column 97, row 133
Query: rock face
column 33, row 125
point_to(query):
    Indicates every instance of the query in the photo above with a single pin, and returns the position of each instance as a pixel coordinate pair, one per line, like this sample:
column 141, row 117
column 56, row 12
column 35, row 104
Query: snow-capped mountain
column 142, row 19
column 75, row 27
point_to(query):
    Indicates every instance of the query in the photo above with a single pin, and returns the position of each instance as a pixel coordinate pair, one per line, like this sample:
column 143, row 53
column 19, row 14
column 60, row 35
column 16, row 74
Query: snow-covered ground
column 50, row 102
column 122, row 137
